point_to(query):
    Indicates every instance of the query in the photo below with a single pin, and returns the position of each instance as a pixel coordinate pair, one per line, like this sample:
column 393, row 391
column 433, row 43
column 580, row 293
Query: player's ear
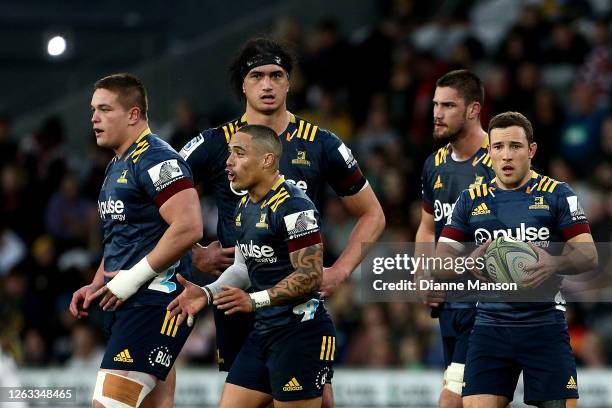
column 473, row 110
column 532, row 149
column 268, row 160
column 134, row 115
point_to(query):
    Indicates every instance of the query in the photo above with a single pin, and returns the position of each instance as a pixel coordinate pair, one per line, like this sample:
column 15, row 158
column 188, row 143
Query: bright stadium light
column 56, row 46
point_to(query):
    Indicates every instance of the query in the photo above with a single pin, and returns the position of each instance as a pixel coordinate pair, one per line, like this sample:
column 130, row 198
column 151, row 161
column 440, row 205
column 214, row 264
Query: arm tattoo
column 308, row 264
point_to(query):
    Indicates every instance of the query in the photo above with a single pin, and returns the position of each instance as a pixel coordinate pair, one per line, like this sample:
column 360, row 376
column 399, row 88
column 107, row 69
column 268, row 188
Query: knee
column 327, row 400
column 449, row 399
column 117, row 391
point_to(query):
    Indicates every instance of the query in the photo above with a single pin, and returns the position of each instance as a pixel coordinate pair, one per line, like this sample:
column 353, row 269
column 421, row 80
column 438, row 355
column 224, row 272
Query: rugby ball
column 506, row 260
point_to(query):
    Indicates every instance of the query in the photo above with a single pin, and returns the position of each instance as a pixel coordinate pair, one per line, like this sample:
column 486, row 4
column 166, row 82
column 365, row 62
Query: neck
column 467, row 145
column 259, row 190
column 133, row 134
column 277, row 120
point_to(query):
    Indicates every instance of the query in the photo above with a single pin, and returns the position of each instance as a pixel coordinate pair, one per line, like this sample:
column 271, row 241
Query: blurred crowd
column 550, row 60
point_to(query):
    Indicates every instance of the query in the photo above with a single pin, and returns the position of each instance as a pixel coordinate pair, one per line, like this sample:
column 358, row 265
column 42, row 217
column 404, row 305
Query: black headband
column 264, row 59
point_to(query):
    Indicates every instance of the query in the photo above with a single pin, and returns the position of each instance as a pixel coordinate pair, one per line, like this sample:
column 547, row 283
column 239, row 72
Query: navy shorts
column 232, row 332
column 497, row 355
column 288, row 363
column 143, row 339
column 455, row 328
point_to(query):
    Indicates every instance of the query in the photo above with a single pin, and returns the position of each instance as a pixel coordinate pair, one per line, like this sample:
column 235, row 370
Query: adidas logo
column 438, row 183
column 571, row 384
column 482, row 209
column 293, row 385
column 124, row 357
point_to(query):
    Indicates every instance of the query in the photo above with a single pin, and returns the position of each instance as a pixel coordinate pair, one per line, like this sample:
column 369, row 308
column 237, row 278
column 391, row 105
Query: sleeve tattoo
column 308, row 264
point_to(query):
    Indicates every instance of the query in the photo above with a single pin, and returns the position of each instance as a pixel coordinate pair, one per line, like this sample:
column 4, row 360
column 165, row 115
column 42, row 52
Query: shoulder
column 228, row 129
column 437, row 158
column 287, row 197
column 545, row 184
column 429, row 164
column 151, row 147
column 481, row 190
column 311, row 132
column 210, row 139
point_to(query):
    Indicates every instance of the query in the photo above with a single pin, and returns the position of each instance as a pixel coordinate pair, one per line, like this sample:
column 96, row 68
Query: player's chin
column 269, row 107
column 236, row 185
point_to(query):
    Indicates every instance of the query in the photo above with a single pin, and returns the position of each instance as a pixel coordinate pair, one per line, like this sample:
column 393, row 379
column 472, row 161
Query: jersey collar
column 527, row 187
column 136, row 143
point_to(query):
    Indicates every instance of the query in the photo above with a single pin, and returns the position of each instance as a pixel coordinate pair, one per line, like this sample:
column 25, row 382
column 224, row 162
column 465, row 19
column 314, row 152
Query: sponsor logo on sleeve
column 301, row 223
column 576, row 211
column 191, row 146
column 165, row 173
column 347, row 155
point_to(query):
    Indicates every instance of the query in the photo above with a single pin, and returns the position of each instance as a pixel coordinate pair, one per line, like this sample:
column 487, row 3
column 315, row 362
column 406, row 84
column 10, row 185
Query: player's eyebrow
column 237, row 147
column 447, row 103
column 101, row 105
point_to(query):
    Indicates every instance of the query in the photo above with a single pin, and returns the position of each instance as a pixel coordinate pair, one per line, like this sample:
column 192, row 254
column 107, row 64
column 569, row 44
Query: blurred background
column 367, row 71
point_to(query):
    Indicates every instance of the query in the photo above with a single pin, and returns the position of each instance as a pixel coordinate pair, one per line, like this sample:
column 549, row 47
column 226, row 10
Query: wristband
column 260, row 299
column 128, row 281
column 209, row 294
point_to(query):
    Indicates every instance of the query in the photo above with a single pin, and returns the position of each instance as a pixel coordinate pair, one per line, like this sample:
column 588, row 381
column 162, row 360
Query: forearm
column 424, row 246
column 446, row 249
column 174, row 243
column 98, row 279
column 576, row 258
column 236, row 275
column 368, row 229
column 308, row 264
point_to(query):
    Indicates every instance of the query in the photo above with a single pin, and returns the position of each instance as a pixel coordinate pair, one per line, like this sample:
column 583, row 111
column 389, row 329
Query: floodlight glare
column 56, row 46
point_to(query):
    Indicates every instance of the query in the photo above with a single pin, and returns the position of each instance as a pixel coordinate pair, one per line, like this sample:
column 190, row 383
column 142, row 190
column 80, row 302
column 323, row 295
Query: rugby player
column 151, row 218
column 279, row 253
column 531, row 337
column 312, row 158
column 462, row 163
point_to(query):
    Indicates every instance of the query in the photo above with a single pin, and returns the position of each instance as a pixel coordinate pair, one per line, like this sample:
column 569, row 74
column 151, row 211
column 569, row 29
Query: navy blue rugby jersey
column 542, row 211
column 135, row 187
column 443, row 179
column 311, row 158
column 283, row 221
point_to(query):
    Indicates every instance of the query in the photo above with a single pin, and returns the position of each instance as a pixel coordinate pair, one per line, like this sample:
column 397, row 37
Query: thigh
column 327, row 400
column 162, row 395
column 549, row 368
column 490, row 367
column 249, row 370
column 231, row 332
column 455, row 327
column 144, row 339
column 300, row 361
column 236, row 396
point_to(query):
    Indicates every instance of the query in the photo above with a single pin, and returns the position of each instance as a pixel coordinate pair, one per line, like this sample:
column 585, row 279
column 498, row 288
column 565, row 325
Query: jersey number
column 162, row 282
column 308, row 309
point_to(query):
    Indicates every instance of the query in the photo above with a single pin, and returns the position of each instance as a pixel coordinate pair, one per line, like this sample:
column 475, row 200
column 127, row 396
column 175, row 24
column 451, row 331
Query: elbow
column 191, row 233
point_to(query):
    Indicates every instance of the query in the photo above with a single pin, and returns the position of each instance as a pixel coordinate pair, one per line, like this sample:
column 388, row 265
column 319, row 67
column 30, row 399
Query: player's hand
column 81, row 299
column 479, row 252
column 332, row 278
column 212, row 259
column 431, row 298
column 544, row 268
column 109, row 300
column 189, row 302
column 233, row 300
